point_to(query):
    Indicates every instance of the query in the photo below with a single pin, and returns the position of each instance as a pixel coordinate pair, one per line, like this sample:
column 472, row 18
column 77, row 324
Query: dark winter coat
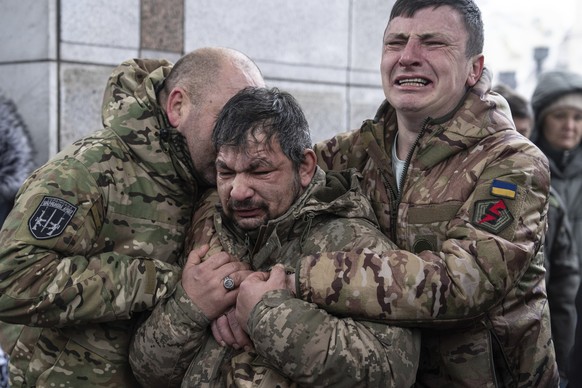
column 562, row 279
column 566, row 179
column 16, row 155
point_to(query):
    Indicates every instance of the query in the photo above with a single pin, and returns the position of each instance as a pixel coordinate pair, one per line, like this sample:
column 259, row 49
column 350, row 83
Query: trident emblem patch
column 50, row 218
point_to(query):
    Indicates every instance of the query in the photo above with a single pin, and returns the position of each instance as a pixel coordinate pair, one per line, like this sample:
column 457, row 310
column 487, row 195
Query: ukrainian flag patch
column 503, row 189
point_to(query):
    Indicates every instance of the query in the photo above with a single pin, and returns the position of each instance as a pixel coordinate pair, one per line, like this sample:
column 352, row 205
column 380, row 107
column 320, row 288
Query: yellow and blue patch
column 503, row 189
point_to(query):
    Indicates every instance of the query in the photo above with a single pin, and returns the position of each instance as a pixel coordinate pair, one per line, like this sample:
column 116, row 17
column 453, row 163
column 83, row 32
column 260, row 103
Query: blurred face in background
column 524, row 125
column 562, row 128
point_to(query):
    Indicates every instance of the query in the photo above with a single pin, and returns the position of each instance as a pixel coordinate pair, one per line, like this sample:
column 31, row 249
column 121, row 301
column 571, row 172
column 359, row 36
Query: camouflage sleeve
column 202, row 230
column 48, row 276
column 341, row 152
column 313, row 348
column 165, row 344
column 473, row 271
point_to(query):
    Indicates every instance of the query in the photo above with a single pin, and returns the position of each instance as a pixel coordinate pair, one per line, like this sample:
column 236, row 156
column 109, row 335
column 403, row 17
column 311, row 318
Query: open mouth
column 413, row 82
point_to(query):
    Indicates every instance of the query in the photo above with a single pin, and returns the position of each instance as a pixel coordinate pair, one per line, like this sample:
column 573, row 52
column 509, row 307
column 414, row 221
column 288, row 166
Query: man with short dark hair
column 275, row 206
column 464, row 197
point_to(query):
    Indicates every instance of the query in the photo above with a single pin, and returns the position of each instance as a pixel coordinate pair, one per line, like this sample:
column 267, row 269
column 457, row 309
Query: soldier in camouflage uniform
column 275, row 207
column 465, row 198
column 95, row 233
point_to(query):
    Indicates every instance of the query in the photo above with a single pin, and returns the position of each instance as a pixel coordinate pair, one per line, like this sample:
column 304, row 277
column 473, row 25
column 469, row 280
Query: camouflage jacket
column 469, row 221
column 295, row 342
column 92, row 239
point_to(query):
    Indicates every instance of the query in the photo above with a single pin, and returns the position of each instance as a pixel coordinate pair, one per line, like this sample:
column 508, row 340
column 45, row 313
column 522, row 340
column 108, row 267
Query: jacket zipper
column 396, row 204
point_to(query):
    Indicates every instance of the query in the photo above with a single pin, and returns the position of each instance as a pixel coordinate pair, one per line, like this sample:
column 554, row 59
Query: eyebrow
column 255, row 164
column 425, row 36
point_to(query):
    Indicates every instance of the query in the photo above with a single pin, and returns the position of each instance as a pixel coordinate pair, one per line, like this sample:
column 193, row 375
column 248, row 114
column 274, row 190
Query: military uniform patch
column 503, row 189
column 424, row 243
column 50, row 218
column 492, row 215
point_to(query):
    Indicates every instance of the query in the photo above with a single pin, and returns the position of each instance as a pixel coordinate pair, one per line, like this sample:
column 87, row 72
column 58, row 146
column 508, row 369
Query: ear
column 476, row 69
column 175, row 104
column 307, row 167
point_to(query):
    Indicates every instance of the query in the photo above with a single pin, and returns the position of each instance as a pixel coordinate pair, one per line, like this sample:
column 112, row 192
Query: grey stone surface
column 312, row 74
column 172, row 57
column 325, row 52
column 324, row 107
column 108, row 23
column 28, row 30
column 33, row 89
column 93, row 54
column 162, row 25
column 364, row 102
column 82, row 88
column 369, row 22
column 298, row 32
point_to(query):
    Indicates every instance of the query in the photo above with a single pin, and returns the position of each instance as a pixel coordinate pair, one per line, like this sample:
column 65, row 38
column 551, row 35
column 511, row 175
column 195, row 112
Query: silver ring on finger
column 228, row 283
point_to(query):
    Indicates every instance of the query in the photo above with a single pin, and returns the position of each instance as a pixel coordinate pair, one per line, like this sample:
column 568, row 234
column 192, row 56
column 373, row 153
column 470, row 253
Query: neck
column 408, row 130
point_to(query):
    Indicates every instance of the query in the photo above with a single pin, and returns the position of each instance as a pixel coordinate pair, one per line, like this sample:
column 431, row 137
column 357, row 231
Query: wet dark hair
column 273, row 113
column 467, row 8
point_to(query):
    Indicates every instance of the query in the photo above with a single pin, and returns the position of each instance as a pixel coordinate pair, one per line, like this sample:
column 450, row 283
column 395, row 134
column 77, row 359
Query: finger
column 277, row 275
column 232, row 268
column 217, row 260
column 195, row 255
column 258, row 276
column 252, row 280
column 222, row 320
column 238, row 277
column 241, row 338
column 225, row 332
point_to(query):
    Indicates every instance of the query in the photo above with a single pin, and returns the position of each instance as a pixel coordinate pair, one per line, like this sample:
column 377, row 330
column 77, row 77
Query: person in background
column 561, row 259
column 521, row 111
column 575, row 374
column 557, row 105
column 275, row 205
column 95, row 233
column 16, row 155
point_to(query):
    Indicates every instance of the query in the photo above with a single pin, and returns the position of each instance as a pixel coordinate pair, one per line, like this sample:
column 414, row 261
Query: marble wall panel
column 32, row 88
column 162, row 25
column 82, row 88
column 324, row 106
column 28, row 30
column 102, row 23
column 298, row 32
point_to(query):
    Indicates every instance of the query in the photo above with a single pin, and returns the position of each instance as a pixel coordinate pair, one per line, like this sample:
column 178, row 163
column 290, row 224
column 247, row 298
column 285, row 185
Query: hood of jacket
column 551, row 86
column 331, row 193
column 479, row 114
column 16, row 150
column 131, row 109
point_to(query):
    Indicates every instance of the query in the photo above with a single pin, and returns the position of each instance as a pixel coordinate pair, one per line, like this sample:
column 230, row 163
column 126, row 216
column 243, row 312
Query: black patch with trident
column 51, row 218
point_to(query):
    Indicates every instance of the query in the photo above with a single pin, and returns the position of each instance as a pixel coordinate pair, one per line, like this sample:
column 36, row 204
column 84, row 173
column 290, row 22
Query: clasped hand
column 203, row 282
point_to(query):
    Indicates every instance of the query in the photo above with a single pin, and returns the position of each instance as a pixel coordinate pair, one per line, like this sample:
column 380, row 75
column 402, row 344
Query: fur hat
column 570, row 100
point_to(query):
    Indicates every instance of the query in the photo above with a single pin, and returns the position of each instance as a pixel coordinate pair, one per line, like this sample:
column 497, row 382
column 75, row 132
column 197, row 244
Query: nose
column 410, row 54
column 241, row 188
